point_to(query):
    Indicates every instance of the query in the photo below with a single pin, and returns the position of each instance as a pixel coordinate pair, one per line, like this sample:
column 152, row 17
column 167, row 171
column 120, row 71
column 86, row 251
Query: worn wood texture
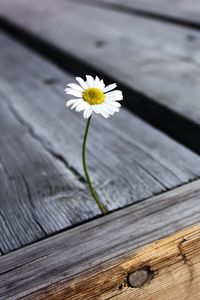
column 36, row 189
column 155, row 58
column 92, row 261
column 179, row 11
column 42, row 179
column 173, row 273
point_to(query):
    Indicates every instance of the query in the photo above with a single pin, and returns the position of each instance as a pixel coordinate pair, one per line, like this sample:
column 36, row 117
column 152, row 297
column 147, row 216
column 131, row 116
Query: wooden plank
column 180, row 11
column 145, row 163
column 37, row 191
column 93, row 261
column 164, row 67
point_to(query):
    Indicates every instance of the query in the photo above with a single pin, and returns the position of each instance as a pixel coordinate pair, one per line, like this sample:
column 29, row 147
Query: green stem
column 92, row 190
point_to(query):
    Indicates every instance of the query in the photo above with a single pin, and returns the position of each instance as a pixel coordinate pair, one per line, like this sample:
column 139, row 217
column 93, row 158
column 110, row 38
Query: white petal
column 114, row 95
column 71, row 101
column 114, row 98
column 82, row 83
column 111, row 109
column 102, row 84
column 97, row 82
column 106, row 109
column 104, row 114
column 96, row 108
column 113, row 103
column 74, row 93
column 90, row 81
column 83, row 105
column 109, row 87
column 87, row 112
column 99, row 110
column 76, row 103
column 75, row 87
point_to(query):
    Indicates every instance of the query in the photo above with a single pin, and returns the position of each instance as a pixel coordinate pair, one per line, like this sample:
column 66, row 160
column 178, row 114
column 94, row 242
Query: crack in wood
column 45, row 144
column 188, row 263
column 24, row 264
column 153, row 176
column 186, row 260
column 32, row 205
column 137, row 146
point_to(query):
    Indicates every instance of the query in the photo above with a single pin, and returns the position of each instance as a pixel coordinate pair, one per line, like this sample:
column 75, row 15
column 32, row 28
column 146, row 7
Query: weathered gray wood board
column 42, row 185
column 36, row 190
column 164, row 67
column 179, row 10
column 77, row 263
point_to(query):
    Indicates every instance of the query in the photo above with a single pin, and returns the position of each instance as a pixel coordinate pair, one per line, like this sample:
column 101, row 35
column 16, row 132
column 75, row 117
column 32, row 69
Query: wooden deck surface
column 147, row 66
column 144, row 161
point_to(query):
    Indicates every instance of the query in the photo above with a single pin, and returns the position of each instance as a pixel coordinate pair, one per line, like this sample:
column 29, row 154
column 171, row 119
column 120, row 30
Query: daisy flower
column 93, row 96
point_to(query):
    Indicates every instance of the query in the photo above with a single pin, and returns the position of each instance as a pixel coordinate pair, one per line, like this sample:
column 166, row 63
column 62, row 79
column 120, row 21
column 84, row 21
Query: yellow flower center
column 93, row 96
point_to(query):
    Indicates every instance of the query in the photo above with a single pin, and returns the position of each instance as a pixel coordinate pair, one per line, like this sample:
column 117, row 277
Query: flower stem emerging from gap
column 92, row 190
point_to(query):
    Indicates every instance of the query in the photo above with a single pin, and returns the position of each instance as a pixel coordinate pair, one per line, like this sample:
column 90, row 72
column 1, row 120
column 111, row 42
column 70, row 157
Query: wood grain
column 42, row 178
column 164, row 67
column 173, row 266
column 36, row 190
column 92, row 261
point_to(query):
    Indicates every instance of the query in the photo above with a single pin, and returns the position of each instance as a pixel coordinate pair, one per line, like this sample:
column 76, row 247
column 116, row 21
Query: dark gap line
column 178, row 127
column 142, row 13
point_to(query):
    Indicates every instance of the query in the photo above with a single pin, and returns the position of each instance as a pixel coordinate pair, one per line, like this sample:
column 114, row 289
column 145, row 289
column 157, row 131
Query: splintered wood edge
column 97, row 260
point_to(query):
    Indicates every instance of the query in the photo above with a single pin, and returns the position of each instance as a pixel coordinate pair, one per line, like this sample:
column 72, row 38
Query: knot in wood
column 139, row 277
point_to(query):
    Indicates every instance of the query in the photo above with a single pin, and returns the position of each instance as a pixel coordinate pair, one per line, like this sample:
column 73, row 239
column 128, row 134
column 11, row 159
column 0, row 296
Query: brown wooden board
column 157, row 59
column 42, row 180
column 92, row 261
